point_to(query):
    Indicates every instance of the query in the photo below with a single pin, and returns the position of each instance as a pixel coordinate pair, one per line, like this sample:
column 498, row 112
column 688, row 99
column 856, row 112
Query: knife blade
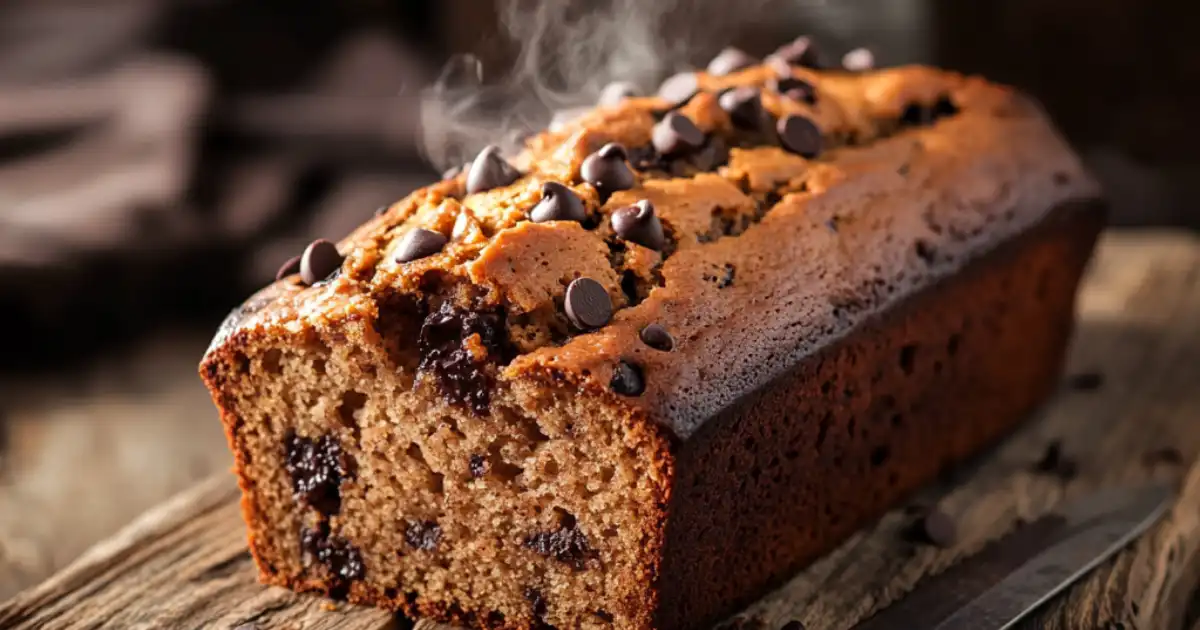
column 1009, row 579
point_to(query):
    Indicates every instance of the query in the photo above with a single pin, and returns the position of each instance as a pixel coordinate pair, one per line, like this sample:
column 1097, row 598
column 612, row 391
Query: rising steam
column 568, row 51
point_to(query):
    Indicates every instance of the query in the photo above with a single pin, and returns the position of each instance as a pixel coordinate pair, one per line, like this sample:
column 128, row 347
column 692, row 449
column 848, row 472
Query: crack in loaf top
column 790, row 203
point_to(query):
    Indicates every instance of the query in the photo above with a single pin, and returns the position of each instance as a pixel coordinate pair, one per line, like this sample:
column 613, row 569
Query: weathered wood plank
column 184, row 564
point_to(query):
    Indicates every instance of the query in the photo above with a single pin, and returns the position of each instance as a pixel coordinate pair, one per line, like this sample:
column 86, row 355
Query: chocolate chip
column 795, row 89
column 627, row 379
column 316, row 469
column 566, row 544
column 638, row 224
column 490, row 170
column 319, row 260
column 617, row 91
column 607, row 170
column 558, row 203
column 587, row 304
column 799, row 135
column 423, row 535
column 478, row 465
column 1086, row 381
column 730, row 60
column 419, row 243
column 859, row 60
column 335, row 553
column 291, row 266
column 934, row 527
column 1055, row 462
column 675, row 134
column 680, row 88
column 744, row 106
column 802, row 51
column 657, row 337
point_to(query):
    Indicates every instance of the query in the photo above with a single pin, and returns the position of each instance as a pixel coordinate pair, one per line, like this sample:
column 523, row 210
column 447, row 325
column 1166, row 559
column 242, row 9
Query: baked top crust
column 773, row 241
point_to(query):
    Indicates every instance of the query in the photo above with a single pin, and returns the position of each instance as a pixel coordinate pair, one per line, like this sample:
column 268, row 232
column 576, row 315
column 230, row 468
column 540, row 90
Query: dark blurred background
column 159, row 159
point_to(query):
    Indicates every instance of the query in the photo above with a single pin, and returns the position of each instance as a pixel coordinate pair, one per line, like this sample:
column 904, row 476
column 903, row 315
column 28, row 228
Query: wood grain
column 184, row 564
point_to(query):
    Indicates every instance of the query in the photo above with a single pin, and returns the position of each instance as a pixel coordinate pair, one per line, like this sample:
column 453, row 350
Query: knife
column 1001, row 585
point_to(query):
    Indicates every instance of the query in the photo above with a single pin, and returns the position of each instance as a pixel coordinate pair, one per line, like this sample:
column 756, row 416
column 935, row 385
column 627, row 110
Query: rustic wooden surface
column 184, row 564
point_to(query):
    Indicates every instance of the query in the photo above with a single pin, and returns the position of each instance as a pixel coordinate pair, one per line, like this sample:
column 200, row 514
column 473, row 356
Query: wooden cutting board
column 1129, row 412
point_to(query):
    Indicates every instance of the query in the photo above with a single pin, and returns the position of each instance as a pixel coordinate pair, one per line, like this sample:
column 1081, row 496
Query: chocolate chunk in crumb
column 316, row 468
column 627, row 379
column 657, row 337
column 934, row 527
column 319, row 260
column 335, row 553
column 478, row 465
column 558, row 203
column 859, row 60
column 744, row 106
column 615, row 92
column 730, row 60
column 801, row 51
column 675, row 134
column 289, row 267
column 680, row 88
column 419, row 243
column 458, row 372
column 566, row 544
column 490, row 170
column 638, row 224
column 588, row 304
column 800, row 136
column 423, row 535
column 795, row 89
column 607, row 170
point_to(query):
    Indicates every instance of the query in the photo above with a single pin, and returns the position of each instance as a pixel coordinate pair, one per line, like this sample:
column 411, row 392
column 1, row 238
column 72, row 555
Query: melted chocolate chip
column 319, row 260
column 419, row 243
column 335, row 553
column 730, row 60
column 675, row 134
column 795, row 89
column 478, row 465
column 859, row 60
column 638, row 224
column 316, row 468
column 558, row 203
column 459, row 374
column 627, row 379
column 490, row 170
column 744, row 106
column 801, row 51
column 587, row 304
column 289, row 267
column 657, row 337
column 934, row 527
column 615, row 92
column 680, row 88
column 566, row 544
column 800, row 136
column 423, row 535
column 607, row 170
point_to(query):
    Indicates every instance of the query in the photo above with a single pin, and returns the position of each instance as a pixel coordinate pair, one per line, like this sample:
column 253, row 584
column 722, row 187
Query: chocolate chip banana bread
column 675, row 349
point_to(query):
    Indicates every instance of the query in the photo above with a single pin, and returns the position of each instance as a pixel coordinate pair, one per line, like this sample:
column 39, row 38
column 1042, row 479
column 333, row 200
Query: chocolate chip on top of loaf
column 632, row 375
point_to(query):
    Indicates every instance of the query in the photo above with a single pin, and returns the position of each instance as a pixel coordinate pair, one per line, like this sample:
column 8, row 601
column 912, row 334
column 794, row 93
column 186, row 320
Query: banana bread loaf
column 672, row 351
